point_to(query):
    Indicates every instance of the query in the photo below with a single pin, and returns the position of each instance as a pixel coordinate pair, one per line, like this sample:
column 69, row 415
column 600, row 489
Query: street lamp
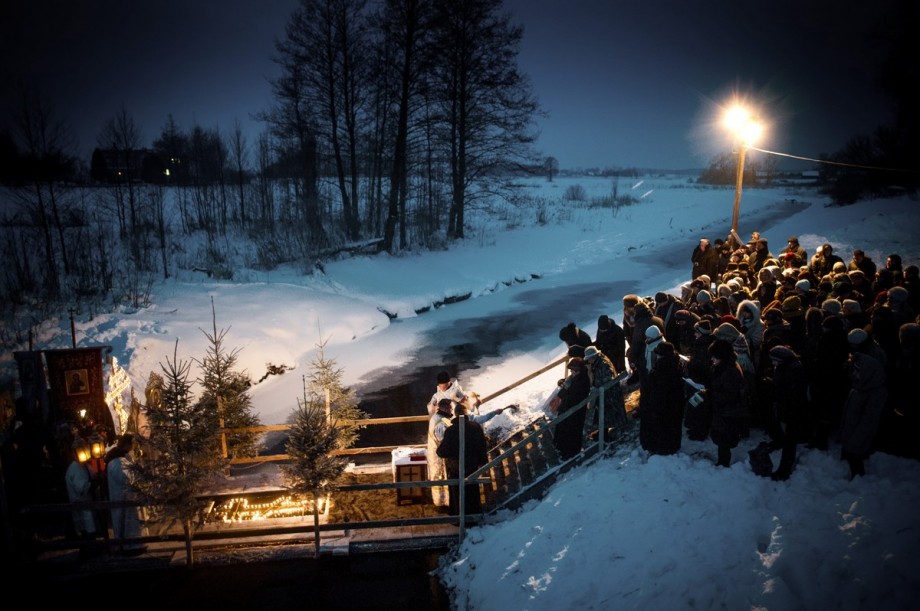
column 746, row 129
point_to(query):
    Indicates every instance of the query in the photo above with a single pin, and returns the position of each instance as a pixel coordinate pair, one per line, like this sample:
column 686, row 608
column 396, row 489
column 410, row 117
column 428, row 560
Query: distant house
column 114, row 166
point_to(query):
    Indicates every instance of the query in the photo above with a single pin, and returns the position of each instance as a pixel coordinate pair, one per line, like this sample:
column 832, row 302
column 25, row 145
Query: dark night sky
column 625, row 84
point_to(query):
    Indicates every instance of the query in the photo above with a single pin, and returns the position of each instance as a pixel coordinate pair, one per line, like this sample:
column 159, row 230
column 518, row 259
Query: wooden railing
column 368, row 422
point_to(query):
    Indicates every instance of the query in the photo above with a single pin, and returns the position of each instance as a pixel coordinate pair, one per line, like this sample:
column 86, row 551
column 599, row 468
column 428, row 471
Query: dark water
column 527, row 316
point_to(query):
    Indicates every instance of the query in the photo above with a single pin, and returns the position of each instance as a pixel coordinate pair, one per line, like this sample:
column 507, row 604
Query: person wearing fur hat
column 665, row 307
column 790, row 406
column 685, row 320
column 600, row 372
column 573, row 336
column 573, row 390
column 662, row 404
column 644, row 318
column 748, row 314
column 765, row 290
column 611, row 340
column 726, row 395
column 697, row 419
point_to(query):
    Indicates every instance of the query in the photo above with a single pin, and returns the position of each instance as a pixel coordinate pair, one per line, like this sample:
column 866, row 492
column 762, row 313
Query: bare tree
column 487, row 106
column 406, row 28
column 45, row 143
column 238, row 154
column 122, row 138
column 327, row 39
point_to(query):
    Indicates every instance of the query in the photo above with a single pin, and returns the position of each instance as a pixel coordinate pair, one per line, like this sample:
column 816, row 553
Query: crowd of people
column 808, row 350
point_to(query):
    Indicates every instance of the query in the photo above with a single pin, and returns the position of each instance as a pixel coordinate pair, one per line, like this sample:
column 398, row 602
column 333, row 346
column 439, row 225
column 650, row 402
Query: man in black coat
column 475, row 455
column 611, row 340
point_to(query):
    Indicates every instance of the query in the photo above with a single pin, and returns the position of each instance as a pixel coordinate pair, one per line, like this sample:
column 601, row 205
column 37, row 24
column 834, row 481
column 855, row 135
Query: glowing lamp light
column 97, row 445
column 746, row 129
column 83, row 449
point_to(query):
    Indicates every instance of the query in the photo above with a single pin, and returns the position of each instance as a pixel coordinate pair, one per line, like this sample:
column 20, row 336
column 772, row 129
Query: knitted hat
column 852, row 306
column 839, row 267
column 856, row 274
column 727, row 331
column 703, row 297
column 704, row 326
column 831, row 306
column 857, row 336
column 792, row 304
column 724, row 290
column 576, row 351
column 683, row 316
column 782, row 353
column 591, row 352
column 443, row 378
column 803, row 285
column 652, row 332
column 773, row 316
column 707, row 281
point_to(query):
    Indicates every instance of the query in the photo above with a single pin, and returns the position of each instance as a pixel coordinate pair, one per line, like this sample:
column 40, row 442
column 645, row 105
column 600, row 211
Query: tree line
column 388, row 122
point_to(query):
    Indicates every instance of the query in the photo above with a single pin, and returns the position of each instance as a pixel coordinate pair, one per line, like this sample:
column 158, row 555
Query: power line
column 849, row 165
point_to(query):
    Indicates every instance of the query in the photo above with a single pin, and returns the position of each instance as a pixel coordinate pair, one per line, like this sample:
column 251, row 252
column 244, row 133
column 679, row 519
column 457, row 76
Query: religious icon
column 76, row 382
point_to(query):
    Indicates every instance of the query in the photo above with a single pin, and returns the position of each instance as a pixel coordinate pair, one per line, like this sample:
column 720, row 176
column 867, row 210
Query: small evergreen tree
column 181, row 450
column 314, row 436
column 226, row 392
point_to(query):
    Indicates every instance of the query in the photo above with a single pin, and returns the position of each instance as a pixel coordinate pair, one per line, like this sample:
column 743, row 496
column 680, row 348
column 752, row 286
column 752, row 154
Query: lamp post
column 745, row 128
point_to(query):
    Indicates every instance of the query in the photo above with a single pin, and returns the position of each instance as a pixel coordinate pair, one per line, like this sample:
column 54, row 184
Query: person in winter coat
column 636, row 353
column 863, row 263
column 573, row 390
column 665, row 307
column 437, row 470
column 662, row 405
column 573, row 336
column 790, row 405
column 697, row 418
column 748, row 314
column 704, row 259
column 829, row 382
column 862, row 410
column 600, row 372
column 126, row 522
column 611, row 340
column 475, row 455
column 726, row 396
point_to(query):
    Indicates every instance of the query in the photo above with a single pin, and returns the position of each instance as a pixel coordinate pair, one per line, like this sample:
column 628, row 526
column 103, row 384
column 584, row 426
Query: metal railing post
column 461, row 497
